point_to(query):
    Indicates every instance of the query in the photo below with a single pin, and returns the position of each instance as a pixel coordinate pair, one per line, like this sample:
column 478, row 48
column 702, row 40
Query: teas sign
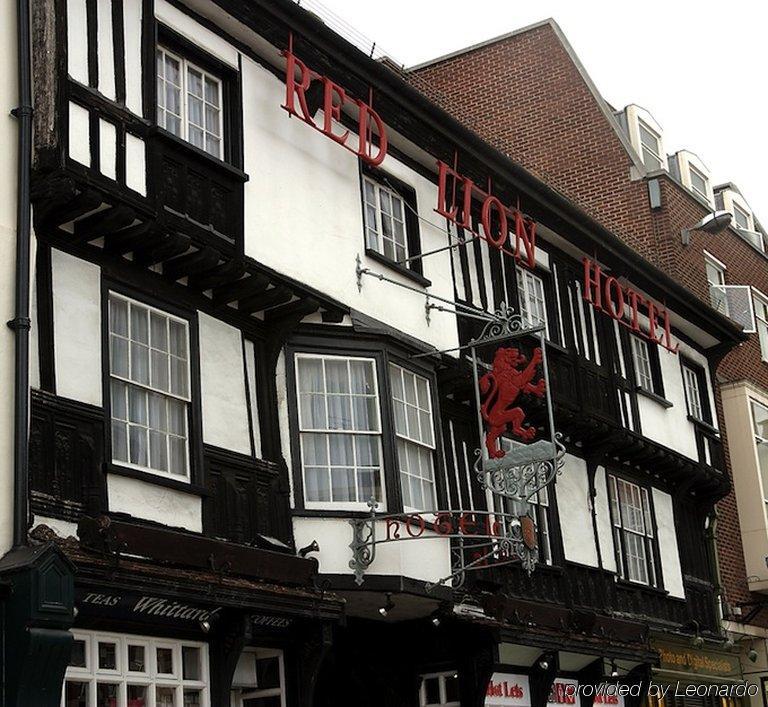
column 304, row 87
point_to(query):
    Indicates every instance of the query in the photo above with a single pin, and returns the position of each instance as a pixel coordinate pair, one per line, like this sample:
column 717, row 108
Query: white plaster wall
column 77, row 41
column 670, row 554
column 8, row 169
column 283, row 418
column 106, row 48
column 107, row 149
column 222, row 384
column 148, row 501
column 132, row 29
column 424, row 559
column 603, row 517
column 250, row 363
column 135, row 164
column 305, row 214
column 575, row 512
column 34, row 341
column 79, row 134
column 77, row 327
column 671, row 426
column 62, row 528
column 200, row 36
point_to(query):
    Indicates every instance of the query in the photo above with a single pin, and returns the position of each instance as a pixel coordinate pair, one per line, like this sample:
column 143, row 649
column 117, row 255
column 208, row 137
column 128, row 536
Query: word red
column 504, row 689
column 608, row 295
column 495, row 217
column 334, row 98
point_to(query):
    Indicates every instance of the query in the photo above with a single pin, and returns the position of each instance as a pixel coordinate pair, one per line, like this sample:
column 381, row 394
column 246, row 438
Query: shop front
column 690, row 675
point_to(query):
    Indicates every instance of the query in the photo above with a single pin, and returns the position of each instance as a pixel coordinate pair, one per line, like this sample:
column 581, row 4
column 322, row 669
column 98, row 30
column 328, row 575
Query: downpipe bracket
column 19, row 323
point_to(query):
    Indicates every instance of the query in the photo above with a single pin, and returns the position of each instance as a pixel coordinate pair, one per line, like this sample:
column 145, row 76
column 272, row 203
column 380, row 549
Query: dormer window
column 699, row 182
column 650, row 143
column 740, row 217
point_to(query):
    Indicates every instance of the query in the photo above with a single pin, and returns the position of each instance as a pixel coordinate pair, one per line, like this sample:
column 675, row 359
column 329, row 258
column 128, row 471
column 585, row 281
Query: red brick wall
column 526, row 97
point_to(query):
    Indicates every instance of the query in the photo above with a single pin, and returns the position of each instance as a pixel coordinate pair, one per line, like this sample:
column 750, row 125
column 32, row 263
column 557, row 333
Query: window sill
column 703, row 425
column 653, row 396
column 402, row 270
column 188, row 147
column 156, row 479
column 629, row 584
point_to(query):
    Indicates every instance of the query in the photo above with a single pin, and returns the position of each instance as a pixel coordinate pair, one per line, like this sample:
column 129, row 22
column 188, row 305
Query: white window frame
column 379, row 434
column 646, row 572
column 656, row 154
column 441, row 677
column 694, row 395
column 527, row 284
column 641, row 356
column 377, row 229
column 241, row 693
column 741, row 211
column 694, row 171
column 92, row 675
column 760, row 304
column 408, row 438
column 184, row 67
column 129, row 382
column 717, row 293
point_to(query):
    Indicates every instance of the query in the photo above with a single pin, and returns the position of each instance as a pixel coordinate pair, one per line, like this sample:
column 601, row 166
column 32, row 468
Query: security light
column 752, row 655
column 713, row 223
column 384, row 610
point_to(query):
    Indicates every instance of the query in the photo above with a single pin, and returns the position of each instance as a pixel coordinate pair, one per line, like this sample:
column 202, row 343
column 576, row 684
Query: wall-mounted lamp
column 388, row 606
column 713, row 223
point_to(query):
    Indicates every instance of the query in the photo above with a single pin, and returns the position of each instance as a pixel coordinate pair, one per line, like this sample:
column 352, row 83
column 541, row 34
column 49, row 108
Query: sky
column 700, row 68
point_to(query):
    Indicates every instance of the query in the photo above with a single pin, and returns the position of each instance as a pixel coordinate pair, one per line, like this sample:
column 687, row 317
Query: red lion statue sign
column 500, row 388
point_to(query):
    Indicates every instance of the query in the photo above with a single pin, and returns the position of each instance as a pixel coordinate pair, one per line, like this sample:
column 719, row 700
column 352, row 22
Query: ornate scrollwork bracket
column 363, row 543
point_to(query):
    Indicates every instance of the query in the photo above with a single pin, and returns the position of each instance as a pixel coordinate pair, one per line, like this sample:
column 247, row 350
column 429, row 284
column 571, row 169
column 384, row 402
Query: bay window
column 136, row 671
column 761, row 324
column 339, row 430
column 189, row 102
column 650, row 147
column 633, row 531
column 760, row 431
column 149, row 382
column 695, row 386
column 414, row 430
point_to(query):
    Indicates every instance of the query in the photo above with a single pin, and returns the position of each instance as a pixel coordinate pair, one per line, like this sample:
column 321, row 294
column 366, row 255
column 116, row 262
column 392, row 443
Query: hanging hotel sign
column 455, row 195
column 506, row 532
column 620, row 302
column 303, row 87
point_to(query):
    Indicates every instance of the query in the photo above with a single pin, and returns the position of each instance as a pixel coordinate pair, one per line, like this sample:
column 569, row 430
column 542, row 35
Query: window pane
column 178, row 376
column 158, row 451
column 118, row 356
column 139, row 363
column 137, row 405
column 106, row 695
column 118, row 316
column 137, row 696
column 432, row 690
column 178, row 338
column 315, row 447
column 178, row 461
column 159, row 370
column 343, row 484
column 192, row 698
column 76, row 694
column 117, row 395
column 107, row 656
column 165, row 661
column 190, row 657
column 177, row 417
column 136, row 659
column 137, row 440
column 119, row 441
column 165, row 697
column 361, row 377
column 339, row 412
column 317, row 483
column 77, row 654
column 341, row 450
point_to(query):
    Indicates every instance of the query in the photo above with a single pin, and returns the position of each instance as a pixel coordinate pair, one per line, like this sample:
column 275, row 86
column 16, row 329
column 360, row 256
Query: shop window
column 761, row 324
column 148, row 671
column 439, row 690
column 340, row 430
column 633, row 531
column 650, row 145
column 149, row 388
column 190, row 102
column 695, row 386
column 390, row 216
column 259, row 679
column 531, row 295
column 414, row 430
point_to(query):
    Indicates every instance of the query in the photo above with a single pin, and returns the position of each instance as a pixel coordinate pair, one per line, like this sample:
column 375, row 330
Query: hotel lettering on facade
column 260, row 259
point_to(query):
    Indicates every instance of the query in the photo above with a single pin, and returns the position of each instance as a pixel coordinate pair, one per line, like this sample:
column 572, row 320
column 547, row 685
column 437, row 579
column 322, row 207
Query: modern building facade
column 615, row 164
column 262, row 259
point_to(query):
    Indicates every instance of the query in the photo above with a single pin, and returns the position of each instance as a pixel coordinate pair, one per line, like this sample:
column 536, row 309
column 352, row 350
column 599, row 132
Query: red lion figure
column 500, row 388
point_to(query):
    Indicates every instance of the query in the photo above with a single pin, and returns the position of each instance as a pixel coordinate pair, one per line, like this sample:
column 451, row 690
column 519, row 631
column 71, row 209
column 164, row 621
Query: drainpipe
column 712, row 548
column 21, row 322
